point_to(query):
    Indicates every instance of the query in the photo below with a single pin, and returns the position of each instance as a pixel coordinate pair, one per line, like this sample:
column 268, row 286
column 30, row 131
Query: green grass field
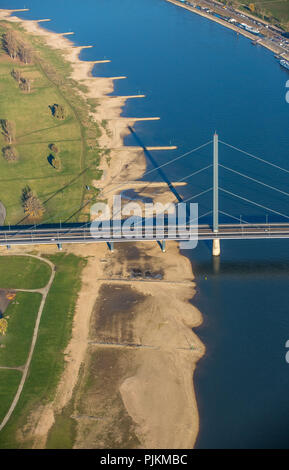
column 23, row 272
column 21, row 316
column 63, row 432
column 62, row 191
column 48, row 359
column 273, row 11
column 9, row 381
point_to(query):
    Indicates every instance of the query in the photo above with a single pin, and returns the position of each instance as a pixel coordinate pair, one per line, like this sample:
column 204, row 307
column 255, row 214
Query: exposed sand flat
column 138, row 119
column 123, row 396
column 151, row 184
column 44, row 20
column 134, row 149
column 20, row 9
column 156, row 387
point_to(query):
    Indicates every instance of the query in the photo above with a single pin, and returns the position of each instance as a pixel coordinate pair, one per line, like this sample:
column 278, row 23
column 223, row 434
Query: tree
column 53, row 148
column 32, row 206
column 28, row 84
column 10, row 154
column 17, row 49
column 58, row 111
column 25, row 84
column 8, row 130
column 56, row 163
column 16, row 74
column 25, row 53
column 252, row 7
column 3, row 326
column 11, row 44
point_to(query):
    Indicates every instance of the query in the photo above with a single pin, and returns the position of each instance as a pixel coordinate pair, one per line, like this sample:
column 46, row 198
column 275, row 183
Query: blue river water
column 200, row 77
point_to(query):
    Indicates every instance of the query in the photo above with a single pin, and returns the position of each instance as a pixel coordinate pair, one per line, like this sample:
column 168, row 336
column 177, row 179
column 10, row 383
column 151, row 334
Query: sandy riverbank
column 136, row 390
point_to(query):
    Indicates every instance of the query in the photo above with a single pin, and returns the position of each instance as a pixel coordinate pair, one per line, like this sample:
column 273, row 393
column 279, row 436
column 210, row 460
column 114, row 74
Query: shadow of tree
column 50, row 160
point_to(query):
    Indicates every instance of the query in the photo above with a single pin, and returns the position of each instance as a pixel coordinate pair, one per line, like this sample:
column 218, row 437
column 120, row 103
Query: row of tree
column 8, row 129
column 24, row 83
column 16, row 48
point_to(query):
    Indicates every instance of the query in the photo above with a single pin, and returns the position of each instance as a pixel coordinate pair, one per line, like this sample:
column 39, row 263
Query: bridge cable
column 189, row 176
column 255, row 203
column 234, row 217
column 147, row 183
column 177, row 158
column 193, row 174
column 255, row 156
column 193, row 197
column 253, row 179
column 200, row 216
column 200, row 194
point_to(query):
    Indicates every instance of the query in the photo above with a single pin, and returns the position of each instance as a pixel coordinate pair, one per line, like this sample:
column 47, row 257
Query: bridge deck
column 82, row 234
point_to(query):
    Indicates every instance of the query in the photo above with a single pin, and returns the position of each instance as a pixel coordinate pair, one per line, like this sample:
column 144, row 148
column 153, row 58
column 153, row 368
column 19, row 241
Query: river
column 200, row 77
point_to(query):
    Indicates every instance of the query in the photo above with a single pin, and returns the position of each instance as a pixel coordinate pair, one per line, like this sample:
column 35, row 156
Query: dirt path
column 44, row 293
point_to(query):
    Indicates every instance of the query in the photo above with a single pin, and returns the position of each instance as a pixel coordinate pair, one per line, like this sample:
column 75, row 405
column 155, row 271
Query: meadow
column 22, row 272
column 274, row 11
column 63, row 191
column 54, row 333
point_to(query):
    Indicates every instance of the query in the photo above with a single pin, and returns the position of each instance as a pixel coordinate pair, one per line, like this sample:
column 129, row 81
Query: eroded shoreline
column 158, row 407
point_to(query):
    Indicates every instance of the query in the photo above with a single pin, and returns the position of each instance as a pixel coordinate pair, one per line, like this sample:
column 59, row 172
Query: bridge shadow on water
column 155, row 165
column 240, row 268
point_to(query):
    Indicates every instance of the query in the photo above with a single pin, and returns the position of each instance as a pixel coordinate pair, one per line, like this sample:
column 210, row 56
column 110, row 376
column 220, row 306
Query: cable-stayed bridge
column 238, row 229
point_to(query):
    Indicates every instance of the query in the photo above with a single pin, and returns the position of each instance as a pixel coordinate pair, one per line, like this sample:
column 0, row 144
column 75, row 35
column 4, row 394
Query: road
column 83, row 234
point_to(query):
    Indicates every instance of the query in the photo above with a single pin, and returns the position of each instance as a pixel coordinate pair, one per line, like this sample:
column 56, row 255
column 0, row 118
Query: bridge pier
column 162, row 244
column 216, row 247
column 110, row 246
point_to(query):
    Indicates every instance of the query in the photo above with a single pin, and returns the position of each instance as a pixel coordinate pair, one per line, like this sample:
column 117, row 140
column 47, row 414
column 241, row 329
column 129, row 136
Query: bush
column 53, row 148
column 3, row 326
column 31, row 204
column 58, row 111
column 10, row 154
column 57, row 163
column 25, row 84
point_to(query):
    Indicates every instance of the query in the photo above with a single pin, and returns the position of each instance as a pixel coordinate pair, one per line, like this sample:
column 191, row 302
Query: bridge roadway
column 82, row 234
